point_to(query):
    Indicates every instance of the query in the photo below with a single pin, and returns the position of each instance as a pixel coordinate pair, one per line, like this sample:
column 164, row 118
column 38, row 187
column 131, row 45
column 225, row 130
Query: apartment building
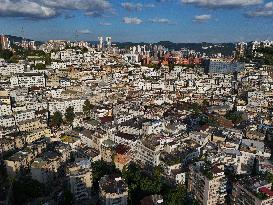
column 44, row 169
column 11, row 68
column 24, row 115
column 147, row 151
column 207, row 184
column 80, row 180
column 28, row 80
column 252, row 190
column 113, row 191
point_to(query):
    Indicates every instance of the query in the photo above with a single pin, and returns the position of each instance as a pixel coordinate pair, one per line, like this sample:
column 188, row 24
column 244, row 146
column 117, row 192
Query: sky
column 139, row 20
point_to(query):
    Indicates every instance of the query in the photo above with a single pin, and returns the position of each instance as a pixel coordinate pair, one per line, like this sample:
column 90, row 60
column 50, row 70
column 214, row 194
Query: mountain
column 14, row 39
column 208, row 48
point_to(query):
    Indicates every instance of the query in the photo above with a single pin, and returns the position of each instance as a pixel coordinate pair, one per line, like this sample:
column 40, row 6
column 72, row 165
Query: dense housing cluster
column 141, row 125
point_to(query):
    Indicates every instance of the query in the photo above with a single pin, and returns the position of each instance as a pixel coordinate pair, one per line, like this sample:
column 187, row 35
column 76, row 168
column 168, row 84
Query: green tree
column 84, row 50
column 140, row 183
column 14, row 59
column 100, row 169
column 196, row 108
column 254, row 170
column 67, row 198
column 70, row 115
column 57, row 119
column 26, row 189
column 176, row 196
column 235, row 116
column 205, row 103
column 269, row 177
column 6, row 54
column 87, row 108
column 40, row 66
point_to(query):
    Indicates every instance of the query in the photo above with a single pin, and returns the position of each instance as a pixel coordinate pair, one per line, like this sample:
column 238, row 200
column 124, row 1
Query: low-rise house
column 123, row 156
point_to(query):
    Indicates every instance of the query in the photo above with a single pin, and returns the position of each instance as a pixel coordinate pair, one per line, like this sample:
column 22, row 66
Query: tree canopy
column 26, row 189
column 57, row 119
column 70, row 115
column 87, row 107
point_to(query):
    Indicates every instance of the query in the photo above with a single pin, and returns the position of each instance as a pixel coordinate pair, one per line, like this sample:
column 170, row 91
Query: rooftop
column 110, row 184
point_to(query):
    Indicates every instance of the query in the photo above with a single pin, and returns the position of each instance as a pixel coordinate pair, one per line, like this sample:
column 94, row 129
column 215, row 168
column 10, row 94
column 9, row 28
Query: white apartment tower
column 4, row 41
column 100, row 45
column 108, row 41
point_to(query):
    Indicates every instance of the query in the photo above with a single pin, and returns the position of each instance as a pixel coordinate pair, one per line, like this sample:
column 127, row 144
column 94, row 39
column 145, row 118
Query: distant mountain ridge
column 14, row 39
column 208, row 48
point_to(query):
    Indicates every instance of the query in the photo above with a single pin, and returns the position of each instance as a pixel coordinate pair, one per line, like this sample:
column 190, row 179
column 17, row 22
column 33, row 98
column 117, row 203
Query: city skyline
column 139, row 21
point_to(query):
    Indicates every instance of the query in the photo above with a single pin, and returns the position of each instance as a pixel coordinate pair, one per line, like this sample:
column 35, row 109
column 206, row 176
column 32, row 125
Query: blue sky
column 139, row 20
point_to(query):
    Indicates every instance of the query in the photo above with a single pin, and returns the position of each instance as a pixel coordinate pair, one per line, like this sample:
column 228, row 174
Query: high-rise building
column 108, row 41
column 80, row 180
column 207, row 184
column 219, row 65
column 100, row 45
column 4, row 41
column 31, row 45
column 241, row 49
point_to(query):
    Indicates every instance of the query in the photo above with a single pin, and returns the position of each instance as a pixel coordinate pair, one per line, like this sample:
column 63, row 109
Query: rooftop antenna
column 23, row 34
column 76, row 35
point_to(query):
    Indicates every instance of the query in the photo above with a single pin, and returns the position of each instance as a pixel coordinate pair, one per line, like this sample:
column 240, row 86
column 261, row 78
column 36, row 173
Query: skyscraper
column 4, row 41
column 100, row 45
column 108, row 41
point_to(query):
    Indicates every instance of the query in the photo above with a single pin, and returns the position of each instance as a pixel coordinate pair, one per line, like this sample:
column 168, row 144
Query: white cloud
column 136, row 6
column 223, row 3
column 260, row 13
column 266, row 11
column 50, row 8
column 132, row 7
column 84, row 31
column 269, row 5
column 202, row 18
column 77, row 4
column 24, row 8
column 134, row 20
column 160, row 20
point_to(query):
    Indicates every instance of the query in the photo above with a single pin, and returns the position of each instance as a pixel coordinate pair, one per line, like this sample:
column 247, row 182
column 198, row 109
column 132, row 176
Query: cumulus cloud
column 132, row 7
column 50, row 8
column 222, row 3
column 135, row 20
column 135, row 6
column 202, row 18
column 265, row 11
column 269, row 5
column 25, row 8
column 160, row 20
